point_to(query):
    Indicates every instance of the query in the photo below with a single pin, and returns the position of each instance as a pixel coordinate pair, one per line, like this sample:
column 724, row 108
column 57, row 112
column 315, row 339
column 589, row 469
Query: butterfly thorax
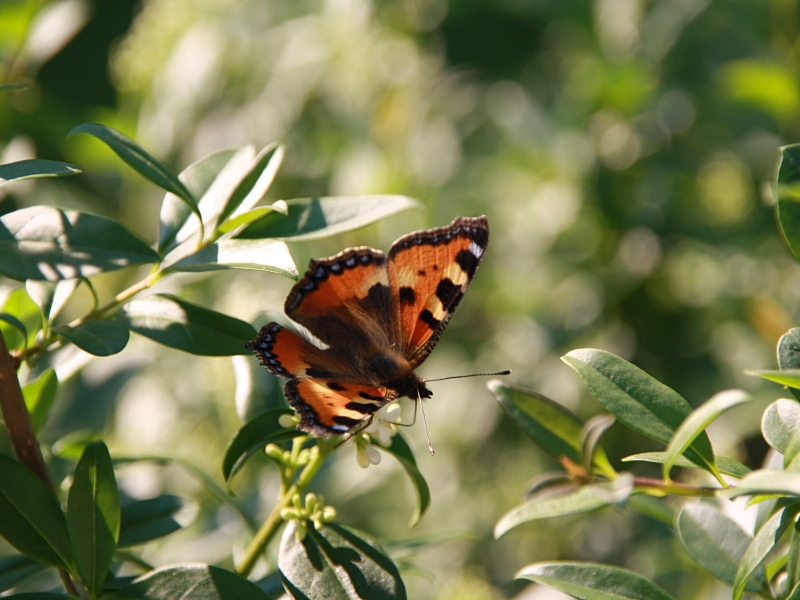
column 395, row 373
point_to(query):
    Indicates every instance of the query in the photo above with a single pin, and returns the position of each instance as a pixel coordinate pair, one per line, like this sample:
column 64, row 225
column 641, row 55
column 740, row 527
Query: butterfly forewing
column 429, row 271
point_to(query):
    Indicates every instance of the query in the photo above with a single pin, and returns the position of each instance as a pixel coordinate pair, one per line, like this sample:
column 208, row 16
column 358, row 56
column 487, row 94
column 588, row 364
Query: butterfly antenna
column 506, row 372
column 424, row 423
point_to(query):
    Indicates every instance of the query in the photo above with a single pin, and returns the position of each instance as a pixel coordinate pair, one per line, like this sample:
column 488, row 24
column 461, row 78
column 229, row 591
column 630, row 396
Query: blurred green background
column 622, row 150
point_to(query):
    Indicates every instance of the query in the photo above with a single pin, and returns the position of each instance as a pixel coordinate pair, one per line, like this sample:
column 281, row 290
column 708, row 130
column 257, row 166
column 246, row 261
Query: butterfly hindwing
column 334, row 407
column 429, row 272
column 282, row 352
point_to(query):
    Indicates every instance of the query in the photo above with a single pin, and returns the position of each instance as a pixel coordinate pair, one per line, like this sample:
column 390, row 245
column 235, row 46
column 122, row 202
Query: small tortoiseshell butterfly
column 379, row 318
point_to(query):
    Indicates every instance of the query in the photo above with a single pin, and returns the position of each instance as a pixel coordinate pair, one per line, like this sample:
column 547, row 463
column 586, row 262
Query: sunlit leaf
column 173, row 322
column 137, row 158
column 769, row 482
column 724, row 465
column 587, row 498
column 191, row 580
column 779, row 422
column 257, row 255
column 715, row 542
column 593, row 581
column 34, row 169
column 695, row 424
column 763, row 543
column 637, row 399
column 146, row 520
column 788, row 191
column 42, row 242
column 39, row 395
column 315, row 218
column 788, row 377
column 337, row 563
column 21, row 319
column 789, row 353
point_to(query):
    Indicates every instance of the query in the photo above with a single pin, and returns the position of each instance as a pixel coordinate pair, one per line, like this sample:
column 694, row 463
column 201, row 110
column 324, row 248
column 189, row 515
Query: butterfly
column 377, row 317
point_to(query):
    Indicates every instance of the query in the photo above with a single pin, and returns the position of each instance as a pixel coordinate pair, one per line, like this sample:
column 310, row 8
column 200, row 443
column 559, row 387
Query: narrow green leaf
column 337, row 563
column 254, row 436
column 765, row 482
column 39, row 395
column 637, row 399
column 32, row 519
column 587, row 498
column 256, row 183
column 763, row 543
column 10, row 87
column 34, row 169
column 403, row 453
column 193, row 580
column 197, row 178
column 256, row 255
column 22, row 319
column 244, row 218
column 593, row 581
column 695, row 425
column 93, row 515
column 99, row 337
column 179, row 324
column 715, row 542
column 146, row 520
column 724, row 465
column 591, row 433
column 315, row 218
column 795, row 593
column 42, row 242
column 788, row 191
column 15, row 568
column 551, row 426
column 789, row 377
column 137, row 158
column 780, row 421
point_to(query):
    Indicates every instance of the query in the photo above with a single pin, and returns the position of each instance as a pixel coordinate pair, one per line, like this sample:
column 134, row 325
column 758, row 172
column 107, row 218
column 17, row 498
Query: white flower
column 366, row 454
column 382, row 427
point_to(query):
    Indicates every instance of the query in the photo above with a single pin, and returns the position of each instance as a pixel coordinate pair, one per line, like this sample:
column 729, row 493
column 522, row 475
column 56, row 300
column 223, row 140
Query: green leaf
column 93, row 515
column 715, row 542
column 315, row 218
column 197, row 178
column 34, row 169
column 788, row 191
column 137, row 158
column 146, row 520
column 764, row 481
column 593, row 581
column 179, row 324
column 551, row 426
column 591, row 433
column 788, row 377
column 254, row 436
column 39, row 395
column 98, row 337
column 195, row 581
column 9, row 87
column 403, row 453
column 39, row 596
column 256, row 255
column 22, row 319
column 337, row 563
column 696, row 423
column 637, row 399
column 15, row 568
column 724, row 465
column 587, row 498
column 780, row 421
column 763, row 543
column 32, row 519
column 245, row 218
column 51, row 296
column 42, row 242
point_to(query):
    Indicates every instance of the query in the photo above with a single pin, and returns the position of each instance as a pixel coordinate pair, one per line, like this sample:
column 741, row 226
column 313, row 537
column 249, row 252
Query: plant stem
column 21, row 433
column 663, row 488
column 274, row 520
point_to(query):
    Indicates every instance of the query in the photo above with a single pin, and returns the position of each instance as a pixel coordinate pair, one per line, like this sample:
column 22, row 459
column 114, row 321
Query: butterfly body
column 376, row 318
